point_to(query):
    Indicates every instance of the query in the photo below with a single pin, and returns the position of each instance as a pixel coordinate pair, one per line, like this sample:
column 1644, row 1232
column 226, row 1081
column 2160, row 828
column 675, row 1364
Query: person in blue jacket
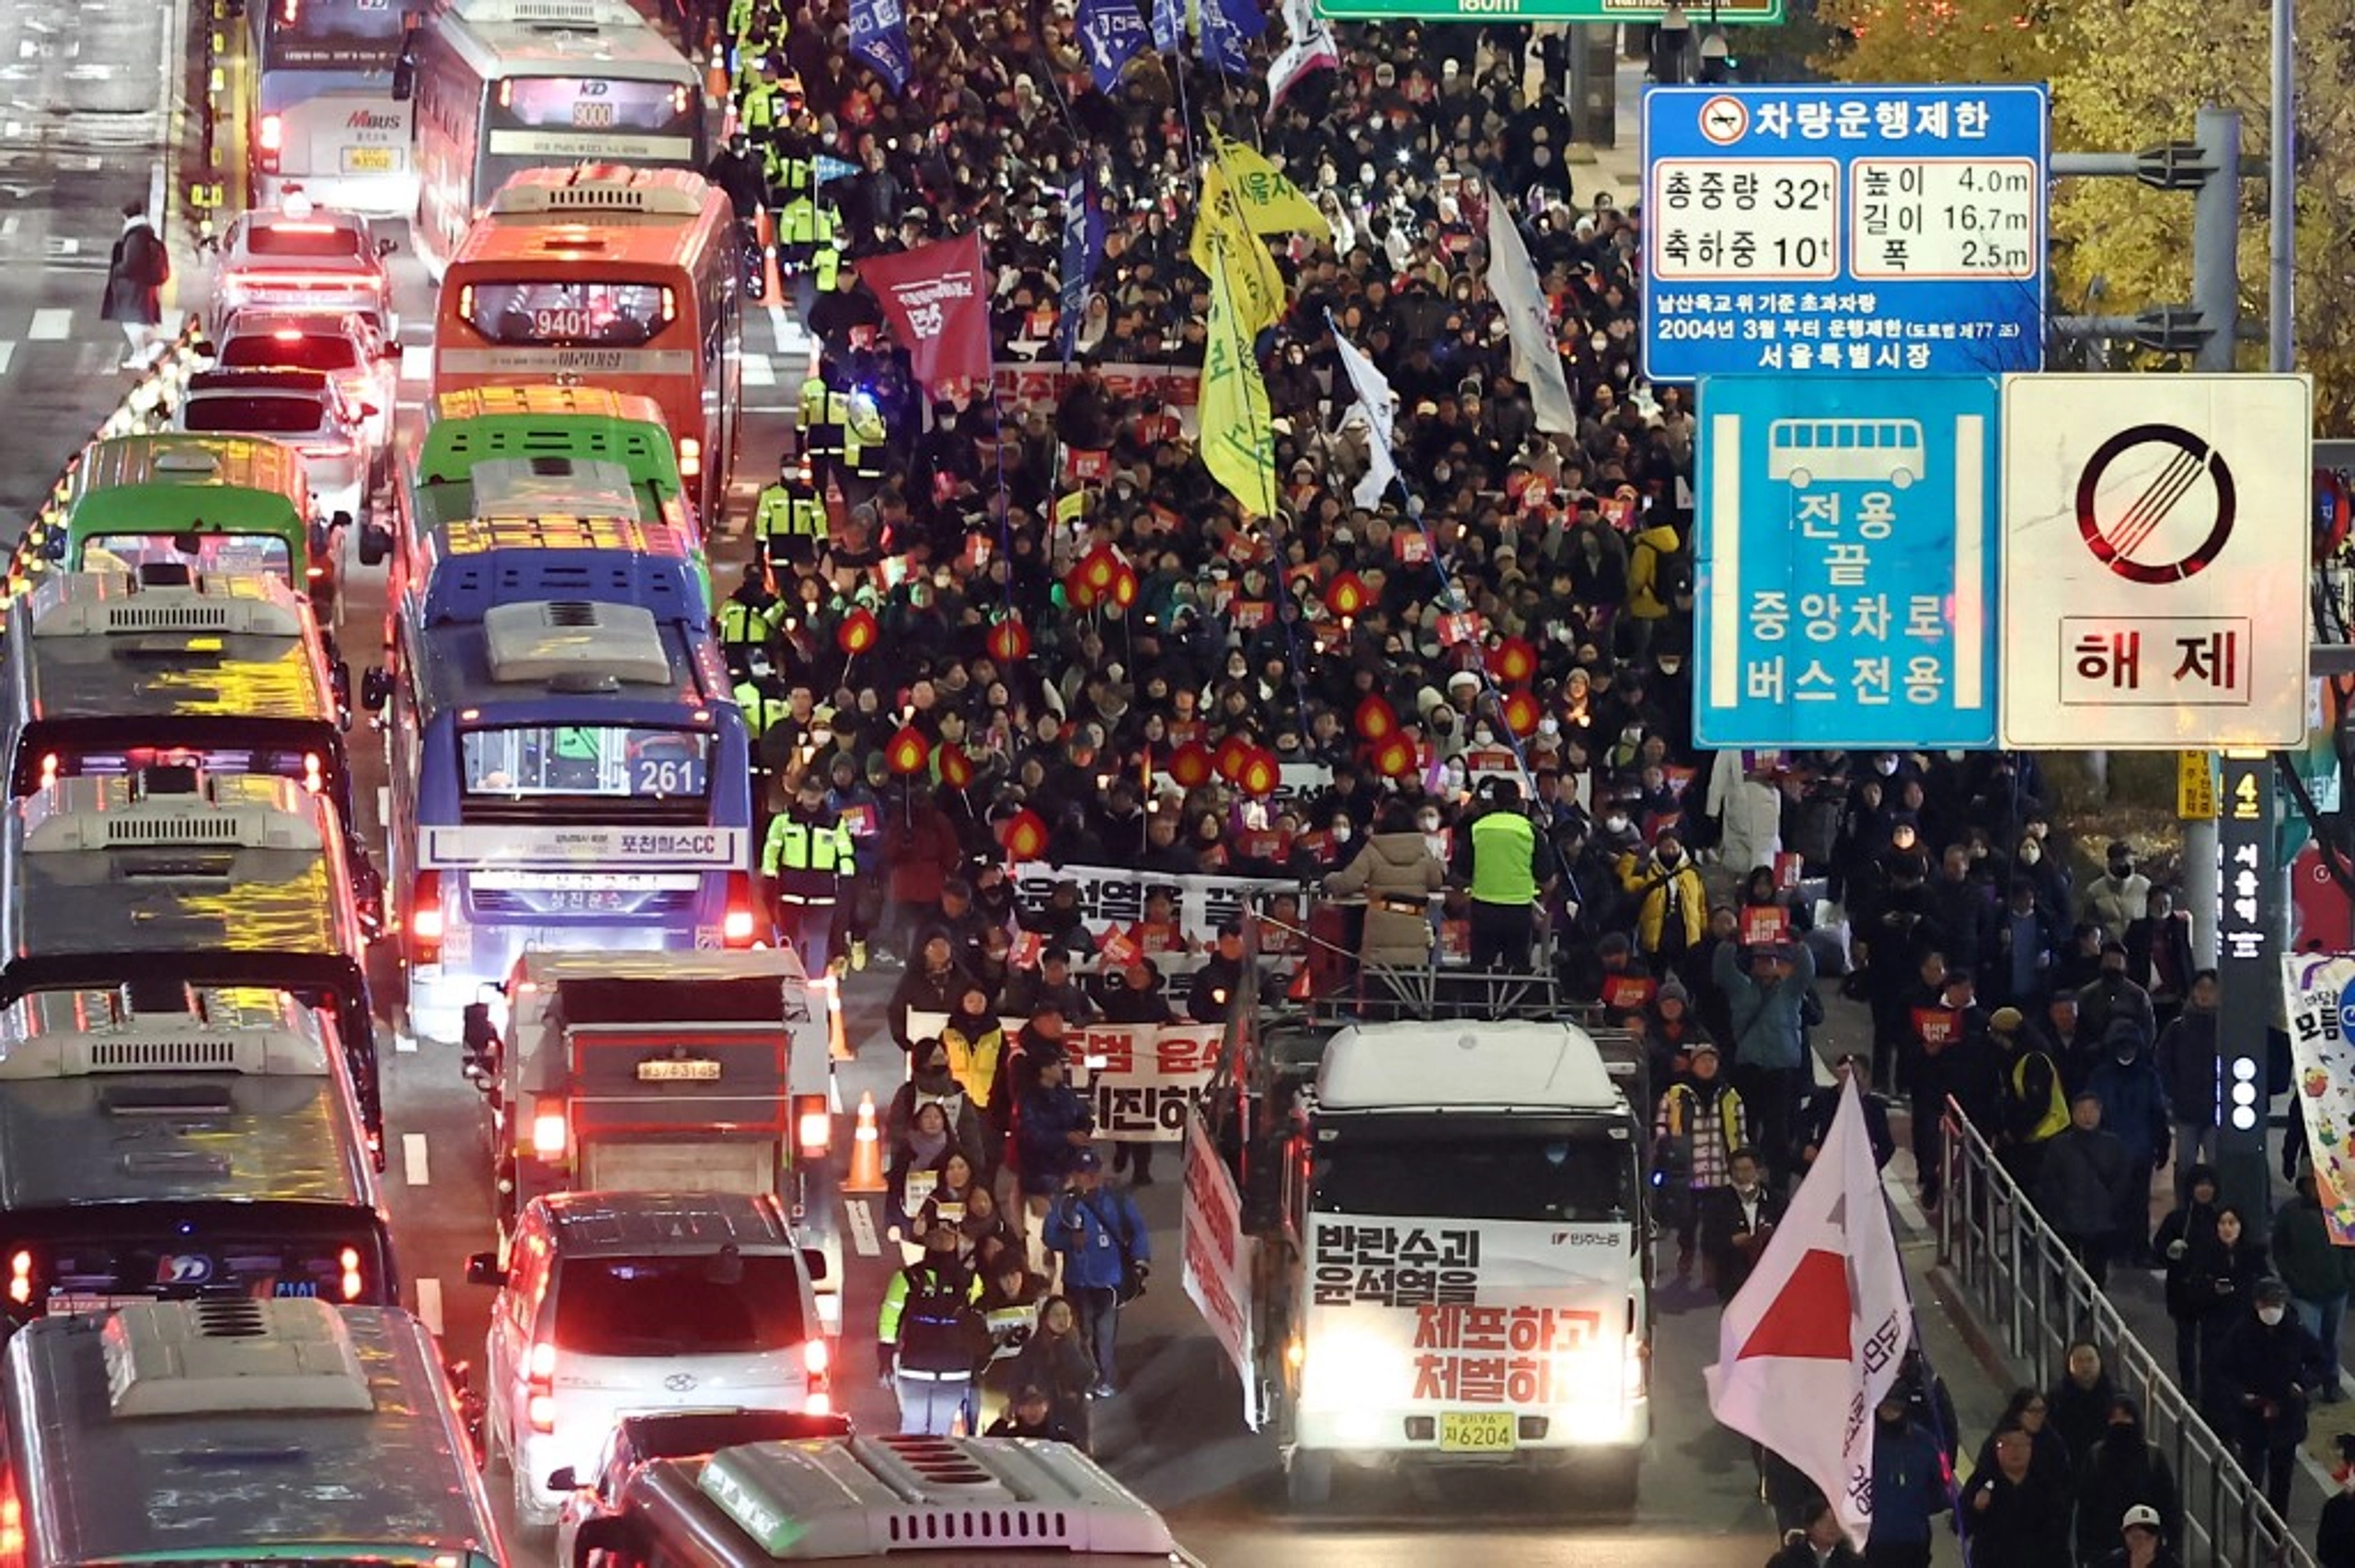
column 2134, row 1108
column 1105, row 1247
column 1052, row 1128
column 1909, row 1485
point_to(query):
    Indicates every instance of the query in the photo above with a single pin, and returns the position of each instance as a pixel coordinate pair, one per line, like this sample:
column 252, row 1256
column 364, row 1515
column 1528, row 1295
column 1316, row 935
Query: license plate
column 1478, row 1432
column 368, row 160
column 593, row 116
column 67, row 1303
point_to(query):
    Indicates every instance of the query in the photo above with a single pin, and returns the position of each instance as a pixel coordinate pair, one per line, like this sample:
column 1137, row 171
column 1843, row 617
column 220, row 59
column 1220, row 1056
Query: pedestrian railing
column 2036, row 1299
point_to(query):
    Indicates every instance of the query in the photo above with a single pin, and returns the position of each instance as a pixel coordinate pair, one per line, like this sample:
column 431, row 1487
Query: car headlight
column 1344, row 1368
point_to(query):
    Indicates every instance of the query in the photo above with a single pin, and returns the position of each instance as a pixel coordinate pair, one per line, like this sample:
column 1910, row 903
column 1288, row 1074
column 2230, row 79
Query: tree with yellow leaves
column 2126, row 74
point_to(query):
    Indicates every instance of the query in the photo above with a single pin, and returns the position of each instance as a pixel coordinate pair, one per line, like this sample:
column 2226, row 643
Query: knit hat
column 1673, row 990
column 2006, row 1020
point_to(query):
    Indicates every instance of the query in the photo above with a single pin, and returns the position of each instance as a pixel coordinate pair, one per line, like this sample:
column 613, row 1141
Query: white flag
column 1809, row 1345
column 1382, row 416
column 1311, row 49
column 1536, row 357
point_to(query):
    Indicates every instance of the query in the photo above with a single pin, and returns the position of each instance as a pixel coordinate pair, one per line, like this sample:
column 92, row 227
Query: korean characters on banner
column 1111, row 900
column 2316, row 991
column 1507, row 1355
column 1144, row 1080
column 1368, row 1264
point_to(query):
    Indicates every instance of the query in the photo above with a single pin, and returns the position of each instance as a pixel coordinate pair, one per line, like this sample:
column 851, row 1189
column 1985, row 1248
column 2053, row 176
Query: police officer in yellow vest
column 748, row 621
column 809, row 861
column 1506, row 865
column 789, row 522
column 2036, row 1102
column 864, row 438
column 765, row 702
column 818, row 426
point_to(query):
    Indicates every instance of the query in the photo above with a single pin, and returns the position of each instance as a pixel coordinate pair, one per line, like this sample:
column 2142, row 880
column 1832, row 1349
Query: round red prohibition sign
column 2153, row 533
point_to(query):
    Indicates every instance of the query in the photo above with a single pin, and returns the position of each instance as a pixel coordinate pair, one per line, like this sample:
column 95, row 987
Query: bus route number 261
column 666, row 776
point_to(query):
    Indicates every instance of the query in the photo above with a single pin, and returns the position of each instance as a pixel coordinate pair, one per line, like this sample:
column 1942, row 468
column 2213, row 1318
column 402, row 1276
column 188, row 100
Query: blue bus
column 569, row 768
column 319, row 102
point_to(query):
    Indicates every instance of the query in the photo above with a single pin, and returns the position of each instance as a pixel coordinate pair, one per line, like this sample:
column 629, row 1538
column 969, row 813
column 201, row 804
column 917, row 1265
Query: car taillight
column 741, row 924
column 314, row 773
column 20, row 1277
column 549, row 1136
column 539, row 1371
column 815, row 1125
column 12, row 1522
column 690, row 457
column 425, row 919
column 349, row 1261
column 820, row 1403
column 269, row 138
column 815, row 1357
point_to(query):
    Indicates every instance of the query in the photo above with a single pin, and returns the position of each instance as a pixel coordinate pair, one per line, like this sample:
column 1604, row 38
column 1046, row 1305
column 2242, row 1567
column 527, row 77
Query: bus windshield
column 330, row 35
column 224, row 553
column 610, row 761
column 1560, row 1177
column 568, row 314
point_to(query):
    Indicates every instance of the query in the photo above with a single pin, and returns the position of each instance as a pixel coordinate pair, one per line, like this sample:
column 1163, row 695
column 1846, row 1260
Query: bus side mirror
column 387, row 244
column 376, row 544
column 375, row 690
column 563, row 1480
column 482, row 1268
column 405, row 75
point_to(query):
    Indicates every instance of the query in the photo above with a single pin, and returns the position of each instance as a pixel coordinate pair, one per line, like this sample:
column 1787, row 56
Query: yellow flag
column 1071, row 506
column 1238, row 440
column 1220, row 232
column 1269, row 204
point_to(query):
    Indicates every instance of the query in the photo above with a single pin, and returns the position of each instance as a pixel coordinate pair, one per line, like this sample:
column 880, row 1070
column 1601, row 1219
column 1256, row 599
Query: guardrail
column 2036, row 1300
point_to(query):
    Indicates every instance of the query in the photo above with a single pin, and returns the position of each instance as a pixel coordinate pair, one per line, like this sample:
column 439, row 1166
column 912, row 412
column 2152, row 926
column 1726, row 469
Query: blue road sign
column 1844, row 230
column 1844, row 562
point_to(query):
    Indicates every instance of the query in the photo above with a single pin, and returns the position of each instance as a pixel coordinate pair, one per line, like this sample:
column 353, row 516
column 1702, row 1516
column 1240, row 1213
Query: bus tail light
column 20, row 1277
column 49, row 764
column 425, row 919
column 690, row 457
column 813, row 1126
column 349, row 1261
column 314, row 773
column 816, row 1362
column 539, row 1403
column 269, row 140
column 550, row 1137
column 740, row 923
column 12, row 1521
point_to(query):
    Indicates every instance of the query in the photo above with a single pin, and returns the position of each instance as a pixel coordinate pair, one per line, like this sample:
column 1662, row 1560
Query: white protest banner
column 1218, row 1260
column 1142, row 1079
column 1113, row 897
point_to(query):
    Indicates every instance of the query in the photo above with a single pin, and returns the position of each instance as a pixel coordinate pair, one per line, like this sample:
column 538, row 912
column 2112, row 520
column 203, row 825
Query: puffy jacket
column 1044, row 1121
column 1399, row 867
column 1909, row 1484
column 1648, row 593
column 2308, row 1264
column 1092, row 1231
column 2133, row 1105
column 945, row 1090
column 2188, row 1066
column 2076, row 1190
column 1749, row 812
column 1766, row 1029
column 2119, row 1471
column 2273, row 1366
column 2114, row 903
column 1655, row 887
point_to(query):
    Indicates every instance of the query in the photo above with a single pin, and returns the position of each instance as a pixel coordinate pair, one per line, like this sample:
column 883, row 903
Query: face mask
column 1441, row 473
column 2121, row 868
column 2031, row 854
column 1427, row 823
column 1550, row 727
column 1483, row 736
column 1600, row 341
column 1340, row 832
column 1885, row 766
column 1614, row 824
column 1669, row 857
column 2270, row 1316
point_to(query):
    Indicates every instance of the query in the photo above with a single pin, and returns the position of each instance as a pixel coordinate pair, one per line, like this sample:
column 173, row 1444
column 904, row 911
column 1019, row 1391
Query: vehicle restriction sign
column 2155, row 541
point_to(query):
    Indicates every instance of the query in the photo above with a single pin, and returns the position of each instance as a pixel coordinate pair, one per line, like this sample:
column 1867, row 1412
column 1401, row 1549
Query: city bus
column 320, row 101
column 211, row 503
column 504, row 86
column 569, row 769
column 110, row 675
column 222, row 1431
column 161, row 1139
column 518, row 452
column 173, row 874
column 621, row 278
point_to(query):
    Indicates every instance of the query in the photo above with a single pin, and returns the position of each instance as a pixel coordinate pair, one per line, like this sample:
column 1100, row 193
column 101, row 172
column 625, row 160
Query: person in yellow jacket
column 1652, row 567
column 1672, row 905
column 864, row 437
column 1700, row 1123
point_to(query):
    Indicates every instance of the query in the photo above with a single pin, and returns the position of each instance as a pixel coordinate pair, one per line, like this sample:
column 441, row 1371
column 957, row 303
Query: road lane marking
column 861, row 1214
column 428, row 1305
column 405, row 1042
column 417, row 361
column 758, row 372
column 8, row 354
column 51, row 325
column 414, row 1168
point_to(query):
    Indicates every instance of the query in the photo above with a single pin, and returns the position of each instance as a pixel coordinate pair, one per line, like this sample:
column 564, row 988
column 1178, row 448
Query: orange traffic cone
column 772, row 286
column 716, row 81
column 866, row 1151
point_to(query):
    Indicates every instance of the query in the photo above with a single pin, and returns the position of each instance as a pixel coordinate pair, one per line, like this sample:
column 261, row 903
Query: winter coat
column 2115, row 903
column 2302, row 1254
column 2078, row 1183
column 1394, row 870
column 1059, row 1364
column 943, row 1089
column 136, row 274
column 1044, row 1121
column 2108, row 998
column 1766, row 1029
column 2335, row 1533
column 922, row 990
column 1797, row 1553
column 2024, row 1524
column 1094, row 1233
column 1815, row 1126
column 1647, row 590
column 1659, row 892
column 2264, row 1375
column 2188, row 1066
column 2123, row 1469
column 2220, row 1282
column 2133, row 1107
column 1909, row 1484
column 1750, row 815
column 921, row 852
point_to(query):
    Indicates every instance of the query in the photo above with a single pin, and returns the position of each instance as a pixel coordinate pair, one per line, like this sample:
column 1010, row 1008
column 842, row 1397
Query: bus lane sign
column 1845, row 553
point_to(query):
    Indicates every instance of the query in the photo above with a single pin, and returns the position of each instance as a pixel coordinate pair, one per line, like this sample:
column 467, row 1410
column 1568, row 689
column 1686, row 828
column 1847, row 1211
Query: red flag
column 937, row 298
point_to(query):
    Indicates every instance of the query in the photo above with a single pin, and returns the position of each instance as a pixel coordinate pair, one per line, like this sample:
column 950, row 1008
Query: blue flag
column 1083, row 248
column 1227, row 27
column 1112, row 34
column 878, row 36
column 1168, row 23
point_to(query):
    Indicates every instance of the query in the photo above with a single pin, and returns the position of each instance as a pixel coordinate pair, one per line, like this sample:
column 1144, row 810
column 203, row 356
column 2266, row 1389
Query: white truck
column 702, row 1071
column 1452, row 1258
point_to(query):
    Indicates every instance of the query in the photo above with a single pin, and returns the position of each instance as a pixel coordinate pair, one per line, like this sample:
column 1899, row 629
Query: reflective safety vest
column 820, row 419
column 795, row 845
column 789, row 511
column 762, row 708
column 1504, row 848
column 759, row 111
column 739, row 18
column 2055, row 1120
column 864, row 438
column 826, row 267
column 743, row 624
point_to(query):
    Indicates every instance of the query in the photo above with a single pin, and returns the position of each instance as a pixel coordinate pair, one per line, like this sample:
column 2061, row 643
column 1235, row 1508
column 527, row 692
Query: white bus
column 320, row 101
column 1870, row 451
column 502, row 86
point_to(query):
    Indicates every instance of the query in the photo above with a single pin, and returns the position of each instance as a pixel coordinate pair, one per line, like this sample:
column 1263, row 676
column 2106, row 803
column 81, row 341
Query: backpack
column 1673, row 573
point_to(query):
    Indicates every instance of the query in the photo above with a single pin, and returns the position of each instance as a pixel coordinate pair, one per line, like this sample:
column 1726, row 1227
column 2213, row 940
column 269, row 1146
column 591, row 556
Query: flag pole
column 1951, row 1472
